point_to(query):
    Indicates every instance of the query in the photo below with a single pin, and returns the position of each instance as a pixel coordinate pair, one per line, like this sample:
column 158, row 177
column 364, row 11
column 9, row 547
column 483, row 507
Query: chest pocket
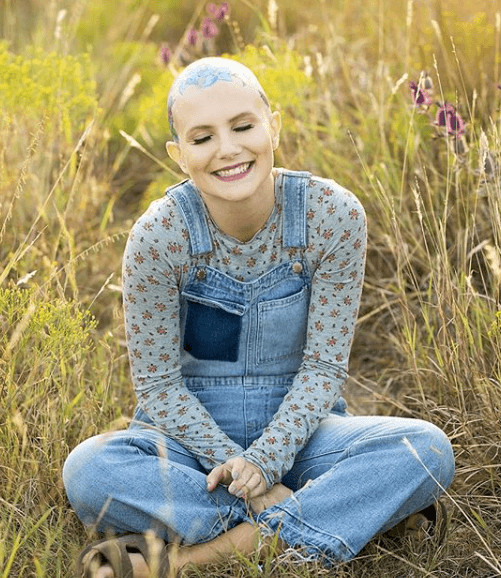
column 281, row 327
column 212, row 327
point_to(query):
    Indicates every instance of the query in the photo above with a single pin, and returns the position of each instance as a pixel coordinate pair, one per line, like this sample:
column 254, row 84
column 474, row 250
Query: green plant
column 429, row 332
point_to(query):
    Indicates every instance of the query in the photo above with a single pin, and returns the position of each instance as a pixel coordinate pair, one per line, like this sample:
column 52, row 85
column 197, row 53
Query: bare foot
column 277, row 494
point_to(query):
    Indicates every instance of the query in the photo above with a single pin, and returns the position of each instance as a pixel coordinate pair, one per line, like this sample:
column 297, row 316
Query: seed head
column 427, row 82
column 489, row 164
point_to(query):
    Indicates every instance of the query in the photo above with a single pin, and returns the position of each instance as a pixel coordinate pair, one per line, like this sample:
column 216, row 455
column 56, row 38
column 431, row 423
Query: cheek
column 262, row 142
column 195, row 160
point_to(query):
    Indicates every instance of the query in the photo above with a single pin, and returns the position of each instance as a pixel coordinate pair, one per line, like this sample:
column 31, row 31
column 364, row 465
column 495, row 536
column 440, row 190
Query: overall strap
column 193, row 210
column 295, row 229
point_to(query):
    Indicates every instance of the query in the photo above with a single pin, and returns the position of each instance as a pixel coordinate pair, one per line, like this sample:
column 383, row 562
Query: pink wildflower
column 448, row 118
column 223, row 10
column 209, row 29
column 218, row 11
column 419, row 95
column 192, row 37
column 165, row 54
column 211, row 8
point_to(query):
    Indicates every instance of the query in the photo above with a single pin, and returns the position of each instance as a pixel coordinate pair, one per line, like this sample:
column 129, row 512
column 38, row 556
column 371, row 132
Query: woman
column 241, row 292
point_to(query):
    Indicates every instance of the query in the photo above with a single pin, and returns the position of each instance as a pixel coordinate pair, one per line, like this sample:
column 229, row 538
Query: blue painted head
column 206, row 72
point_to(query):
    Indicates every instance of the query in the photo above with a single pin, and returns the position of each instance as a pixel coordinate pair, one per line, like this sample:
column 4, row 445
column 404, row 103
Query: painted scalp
column 206, row 72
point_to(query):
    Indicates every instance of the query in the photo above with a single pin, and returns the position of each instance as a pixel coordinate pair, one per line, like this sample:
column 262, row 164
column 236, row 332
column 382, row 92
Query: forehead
column 219, row 103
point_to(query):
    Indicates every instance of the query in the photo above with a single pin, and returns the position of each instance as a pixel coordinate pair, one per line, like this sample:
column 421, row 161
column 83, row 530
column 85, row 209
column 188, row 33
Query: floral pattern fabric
column 156, row 262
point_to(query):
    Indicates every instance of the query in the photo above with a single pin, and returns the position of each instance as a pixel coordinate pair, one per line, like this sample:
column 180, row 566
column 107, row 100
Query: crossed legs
column 356, row 477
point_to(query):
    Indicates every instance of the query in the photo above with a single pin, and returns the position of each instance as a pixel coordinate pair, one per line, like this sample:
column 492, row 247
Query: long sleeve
column 337, row 240
column 156, row 263
column 155, row 257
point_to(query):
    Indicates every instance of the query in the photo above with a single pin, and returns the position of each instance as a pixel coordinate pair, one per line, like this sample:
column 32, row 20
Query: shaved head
column 205, row 73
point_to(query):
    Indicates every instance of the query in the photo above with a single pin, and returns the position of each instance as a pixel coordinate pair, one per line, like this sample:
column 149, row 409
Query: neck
column 243, row 219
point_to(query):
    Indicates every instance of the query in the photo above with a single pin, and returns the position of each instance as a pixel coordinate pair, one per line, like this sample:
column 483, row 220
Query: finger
column 213, row 478
column 253, row 481
column 254, row 485
column 239, row 484
column 217, row 476
column 258, row 489
column 238, row 465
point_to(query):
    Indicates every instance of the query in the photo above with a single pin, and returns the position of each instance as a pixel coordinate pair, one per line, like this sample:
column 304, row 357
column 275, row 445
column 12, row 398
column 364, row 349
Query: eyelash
column 243, row 127
column 198, row 141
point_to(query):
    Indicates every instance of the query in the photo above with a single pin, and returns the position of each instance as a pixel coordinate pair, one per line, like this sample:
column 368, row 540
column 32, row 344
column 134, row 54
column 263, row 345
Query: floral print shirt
column 156, row 262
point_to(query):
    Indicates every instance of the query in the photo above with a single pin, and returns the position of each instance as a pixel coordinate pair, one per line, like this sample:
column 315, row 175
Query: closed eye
column 201, row 140
column 243, row 127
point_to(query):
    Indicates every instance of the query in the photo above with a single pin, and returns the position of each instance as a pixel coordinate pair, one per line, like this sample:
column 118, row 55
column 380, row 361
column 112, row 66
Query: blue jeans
column 364, row 474
column 241, row 347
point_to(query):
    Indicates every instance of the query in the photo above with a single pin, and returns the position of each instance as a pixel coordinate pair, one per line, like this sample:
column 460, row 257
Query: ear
column 275, row 125
column 174, row 152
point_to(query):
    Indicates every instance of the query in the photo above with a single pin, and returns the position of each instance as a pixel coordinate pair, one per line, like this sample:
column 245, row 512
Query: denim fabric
column 241, row 347
column 310, row 253
column 211, row 332
column 254, row 311
column 251, row 314
column 357, row 476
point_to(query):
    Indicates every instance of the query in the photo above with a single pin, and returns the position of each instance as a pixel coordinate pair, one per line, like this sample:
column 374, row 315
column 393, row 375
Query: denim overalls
column 243, row 341
column 241, row 345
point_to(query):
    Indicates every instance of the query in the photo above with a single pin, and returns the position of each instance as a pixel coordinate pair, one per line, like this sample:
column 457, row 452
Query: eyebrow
column 231, row 120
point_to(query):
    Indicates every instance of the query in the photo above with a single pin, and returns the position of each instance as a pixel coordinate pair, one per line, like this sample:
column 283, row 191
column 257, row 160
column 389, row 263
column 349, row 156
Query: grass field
column 82, row 132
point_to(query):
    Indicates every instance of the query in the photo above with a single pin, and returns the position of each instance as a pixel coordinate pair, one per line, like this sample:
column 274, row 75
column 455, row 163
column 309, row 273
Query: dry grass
column 429, row 335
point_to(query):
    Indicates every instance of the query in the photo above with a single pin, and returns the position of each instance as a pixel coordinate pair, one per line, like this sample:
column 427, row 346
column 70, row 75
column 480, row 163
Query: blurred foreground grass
column 82, row 129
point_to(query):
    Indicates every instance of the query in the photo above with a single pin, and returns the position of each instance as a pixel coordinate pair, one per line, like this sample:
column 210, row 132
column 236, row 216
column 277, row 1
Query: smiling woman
column 227, row 151
column 241, row 290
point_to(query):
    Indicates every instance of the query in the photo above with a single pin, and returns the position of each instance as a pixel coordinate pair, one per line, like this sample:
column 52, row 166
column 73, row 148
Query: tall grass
column 74, row 81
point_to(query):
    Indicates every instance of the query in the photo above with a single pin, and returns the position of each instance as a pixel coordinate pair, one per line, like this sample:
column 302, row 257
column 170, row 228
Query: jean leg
column 137, row 479
column 364, row 475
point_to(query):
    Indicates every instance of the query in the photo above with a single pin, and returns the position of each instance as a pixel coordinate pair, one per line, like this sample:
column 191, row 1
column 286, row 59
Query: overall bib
column 242, row 342
column 241, row 345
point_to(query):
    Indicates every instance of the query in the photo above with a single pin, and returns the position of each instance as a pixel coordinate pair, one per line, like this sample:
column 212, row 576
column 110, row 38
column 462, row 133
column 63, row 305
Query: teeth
column 234, row 171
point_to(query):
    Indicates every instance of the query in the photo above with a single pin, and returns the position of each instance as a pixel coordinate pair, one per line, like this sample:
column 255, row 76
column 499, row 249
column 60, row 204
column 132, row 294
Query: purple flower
column 420, row 96
column 448, row 118
column 208, row 28
column 223, row 10
column 211, row 8
column 192, row 37
column 165, row 54
column 456, row 124
column 441, row 118
column 218, row 11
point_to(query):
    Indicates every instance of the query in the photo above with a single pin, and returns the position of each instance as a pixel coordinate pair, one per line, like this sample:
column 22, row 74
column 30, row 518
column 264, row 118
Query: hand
column 278, row 493
column 244, row 479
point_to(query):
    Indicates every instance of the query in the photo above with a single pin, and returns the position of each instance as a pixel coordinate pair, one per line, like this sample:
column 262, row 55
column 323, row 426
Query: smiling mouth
column 235, row 172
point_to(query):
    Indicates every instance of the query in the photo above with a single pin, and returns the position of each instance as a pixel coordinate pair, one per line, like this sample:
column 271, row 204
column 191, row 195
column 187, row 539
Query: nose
column 228, row 145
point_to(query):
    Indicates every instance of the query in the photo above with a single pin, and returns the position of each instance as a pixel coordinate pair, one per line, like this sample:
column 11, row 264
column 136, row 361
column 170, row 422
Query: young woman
column 241, row 292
